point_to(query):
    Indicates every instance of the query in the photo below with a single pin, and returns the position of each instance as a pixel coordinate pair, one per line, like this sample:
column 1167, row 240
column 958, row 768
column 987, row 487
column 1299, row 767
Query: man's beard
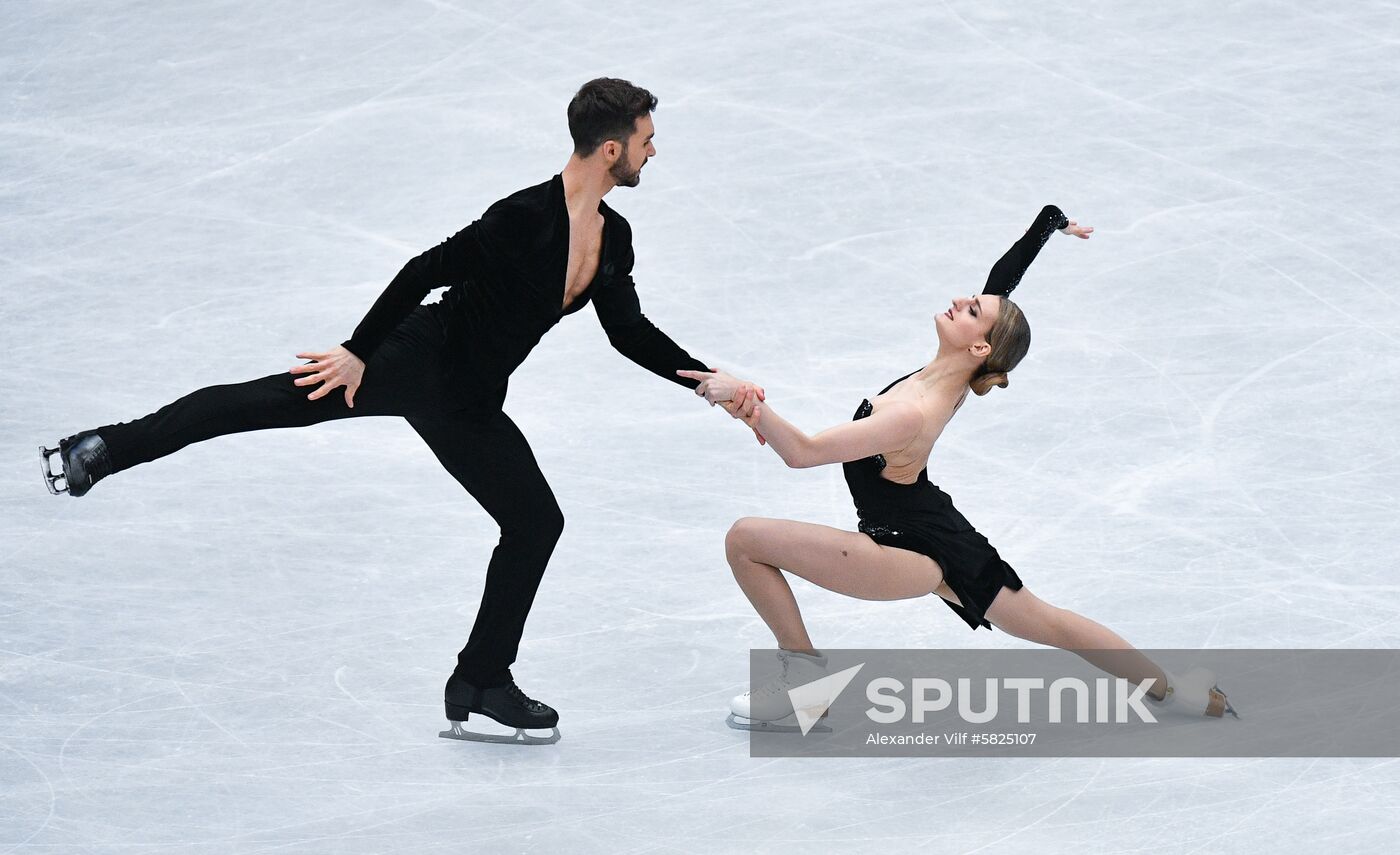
column 624, row 175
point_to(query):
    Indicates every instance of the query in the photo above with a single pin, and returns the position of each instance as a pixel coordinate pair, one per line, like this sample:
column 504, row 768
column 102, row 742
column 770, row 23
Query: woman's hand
column 334, row 368
column 1077, row 230
column 751, row 419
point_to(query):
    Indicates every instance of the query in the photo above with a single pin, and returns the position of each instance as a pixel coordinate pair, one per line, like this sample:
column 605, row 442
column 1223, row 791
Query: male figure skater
column 533, row 257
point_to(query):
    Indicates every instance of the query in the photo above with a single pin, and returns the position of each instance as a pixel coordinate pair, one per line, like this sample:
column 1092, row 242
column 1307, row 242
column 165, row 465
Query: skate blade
column 753, row 726
column 520, row 737
column 50, row 477
column 1229, row 708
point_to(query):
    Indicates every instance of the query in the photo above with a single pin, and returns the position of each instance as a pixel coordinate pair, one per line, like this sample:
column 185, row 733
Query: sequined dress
column 920, row 517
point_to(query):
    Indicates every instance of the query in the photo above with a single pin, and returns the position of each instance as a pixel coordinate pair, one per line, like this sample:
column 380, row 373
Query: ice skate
column 506, row 704
column 1194, row 693
column 84, row 459
column 769, row 708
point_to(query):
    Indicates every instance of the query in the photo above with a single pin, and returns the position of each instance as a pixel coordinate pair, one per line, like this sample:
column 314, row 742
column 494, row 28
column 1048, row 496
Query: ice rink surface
column 241, row 647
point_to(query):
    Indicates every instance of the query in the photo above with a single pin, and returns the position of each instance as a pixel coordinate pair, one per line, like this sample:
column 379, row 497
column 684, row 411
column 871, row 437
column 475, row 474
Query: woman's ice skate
column 769, row 708
column 1194, row 693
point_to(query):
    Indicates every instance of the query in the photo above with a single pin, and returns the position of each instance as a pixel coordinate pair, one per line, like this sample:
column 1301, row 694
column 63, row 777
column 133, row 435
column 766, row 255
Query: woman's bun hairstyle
column 983, row 383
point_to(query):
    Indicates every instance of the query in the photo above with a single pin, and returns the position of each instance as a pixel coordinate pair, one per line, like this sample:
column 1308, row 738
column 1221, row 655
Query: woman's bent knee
column 741, row 536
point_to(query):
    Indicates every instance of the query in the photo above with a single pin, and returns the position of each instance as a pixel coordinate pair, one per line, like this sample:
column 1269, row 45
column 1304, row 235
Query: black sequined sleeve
column 1006, row 273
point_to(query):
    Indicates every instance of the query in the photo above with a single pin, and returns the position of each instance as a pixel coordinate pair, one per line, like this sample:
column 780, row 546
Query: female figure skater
column 911, row 540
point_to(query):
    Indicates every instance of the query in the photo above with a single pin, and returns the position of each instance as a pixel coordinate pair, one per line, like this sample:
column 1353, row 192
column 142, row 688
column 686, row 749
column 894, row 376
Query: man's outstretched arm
column 638, row 339
column 635, row 337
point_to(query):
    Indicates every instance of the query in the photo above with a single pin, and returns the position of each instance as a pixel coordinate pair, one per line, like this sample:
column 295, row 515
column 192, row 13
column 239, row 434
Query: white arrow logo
column 811, row 700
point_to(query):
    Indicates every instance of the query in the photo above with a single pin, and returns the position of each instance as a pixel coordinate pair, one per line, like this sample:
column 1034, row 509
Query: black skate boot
column 85, row 462
column 505, row 704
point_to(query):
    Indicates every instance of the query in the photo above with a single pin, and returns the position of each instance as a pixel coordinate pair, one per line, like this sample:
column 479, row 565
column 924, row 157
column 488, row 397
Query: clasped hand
column 738, row 397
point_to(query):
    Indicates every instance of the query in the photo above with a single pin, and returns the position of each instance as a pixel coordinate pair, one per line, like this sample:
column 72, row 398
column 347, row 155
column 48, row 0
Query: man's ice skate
column 506, row 704
column 1194, row 693
column 769, row 708
column 84, row 459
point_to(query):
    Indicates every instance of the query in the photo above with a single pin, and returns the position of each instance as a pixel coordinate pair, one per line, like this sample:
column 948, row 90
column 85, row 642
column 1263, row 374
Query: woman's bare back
column 903, row 465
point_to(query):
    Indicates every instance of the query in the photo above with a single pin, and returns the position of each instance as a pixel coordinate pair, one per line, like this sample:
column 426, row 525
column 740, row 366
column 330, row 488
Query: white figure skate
column 769, row 708
column 1194, row 693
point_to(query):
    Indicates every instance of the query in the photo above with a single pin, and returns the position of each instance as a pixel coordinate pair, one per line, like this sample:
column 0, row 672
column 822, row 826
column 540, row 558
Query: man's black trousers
column 471, row 436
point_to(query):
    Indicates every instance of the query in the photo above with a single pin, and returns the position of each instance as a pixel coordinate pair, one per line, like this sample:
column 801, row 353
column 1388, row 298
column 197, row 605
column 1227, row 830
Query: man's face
column 627, row 169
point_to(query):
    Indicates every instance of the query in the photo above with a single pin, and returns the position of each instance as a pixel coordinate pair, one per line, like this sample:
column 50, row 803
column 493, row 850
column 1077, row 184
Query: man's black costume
column 444, row 367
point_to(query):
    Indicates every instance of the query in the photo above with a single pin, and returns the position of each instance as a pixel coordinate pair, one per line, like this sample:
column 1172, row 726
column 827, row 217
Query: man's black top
column 505, row 278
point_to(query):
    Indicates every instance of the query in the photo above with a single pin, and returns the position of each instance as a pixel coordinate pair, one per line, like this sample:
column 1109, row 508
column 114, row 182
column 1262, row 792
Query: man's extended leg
column 489, row 456
column 401, row 377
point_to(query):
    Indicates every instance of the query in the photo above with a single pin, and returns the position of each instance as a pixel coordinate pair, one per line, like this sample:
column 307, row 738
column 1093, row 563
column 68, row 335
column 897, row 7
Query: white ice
column 241, row 647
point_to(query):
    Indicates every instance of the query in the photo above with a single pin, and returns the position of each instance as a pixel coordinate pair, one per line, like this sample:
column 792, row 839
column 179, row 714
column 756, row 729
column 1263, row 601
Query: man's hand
column 717, row 387
column 334, row 368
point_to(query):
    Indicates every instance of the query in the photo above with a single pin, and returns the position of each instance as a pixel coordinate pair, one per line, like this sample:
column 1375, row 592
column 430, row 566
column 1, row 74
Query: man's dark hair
column 606, row 109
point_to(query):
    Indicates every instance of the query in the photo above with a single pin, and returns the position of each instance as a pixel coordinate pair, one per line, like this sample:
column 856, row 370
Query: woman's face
column 968, row 321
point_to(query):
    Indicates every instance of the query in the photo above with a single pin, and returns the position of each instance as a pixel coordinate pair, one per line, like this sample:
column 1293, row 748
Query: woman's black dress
column 920, row 517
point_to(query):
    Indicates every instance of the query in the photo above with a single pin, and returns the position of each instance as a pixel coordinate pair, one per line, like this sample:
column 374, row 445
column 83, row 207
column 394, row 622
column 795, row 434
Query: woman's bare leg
column 846, row 562
column 1025, row 615
column 851, row 563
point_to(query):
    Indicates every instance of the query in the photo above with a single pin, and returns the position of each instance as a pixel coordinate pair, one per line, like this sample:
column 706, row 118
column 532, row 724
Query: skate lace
column 778, row 686
column 528, row 702
column 104, row 462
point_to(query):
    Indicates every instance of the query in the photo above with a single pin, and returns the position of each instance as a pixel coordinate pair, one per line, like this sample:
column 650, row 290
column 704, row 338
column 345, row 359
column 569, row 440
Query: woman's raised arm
column 1007, row 272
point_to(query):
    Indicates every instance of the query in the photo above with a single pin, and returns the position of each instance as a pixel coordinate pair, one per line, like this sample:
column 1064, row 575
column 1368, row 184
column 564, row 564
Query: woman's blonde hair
column 1010, row 338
